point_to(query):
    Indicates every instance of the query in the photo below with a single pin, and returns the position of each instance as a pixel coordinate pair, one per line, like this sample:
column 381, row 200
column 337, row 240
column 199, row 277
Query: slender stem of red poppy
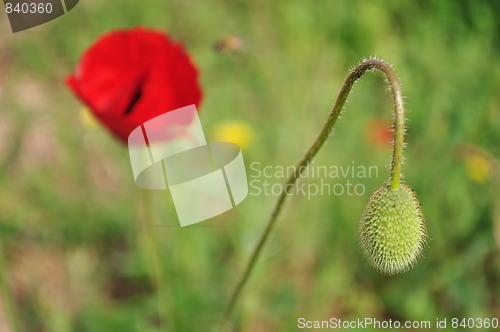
column 152, row 249
column 395, row 177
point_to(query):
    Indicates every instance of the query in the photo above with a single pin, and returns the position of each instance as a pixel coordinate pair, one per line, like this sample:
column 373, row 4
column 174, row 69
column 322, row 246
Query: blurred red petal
column 130, row 76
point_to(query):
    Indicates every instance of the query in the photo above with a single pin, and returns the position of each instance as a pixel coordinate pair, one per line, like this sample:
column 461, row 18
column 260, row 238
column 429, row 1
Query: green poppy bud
column 392, row 229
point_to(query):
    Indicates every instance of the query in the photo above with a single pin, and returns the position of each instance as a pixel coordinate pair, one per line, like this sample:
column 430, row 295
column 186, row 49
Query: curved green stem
column 397, row 159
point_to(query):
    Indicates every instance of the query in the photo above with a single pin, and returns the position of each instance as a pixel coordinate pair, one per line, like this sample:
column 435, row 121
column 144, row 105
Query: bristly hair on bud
column 392, row 229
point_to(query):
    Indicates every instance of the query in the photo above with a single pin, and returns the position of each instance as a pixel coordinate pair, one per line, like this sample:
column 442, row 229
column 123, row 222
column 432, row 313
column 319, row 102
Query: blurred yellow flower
column 478, row 168
column 88, row 120
column 236, row 132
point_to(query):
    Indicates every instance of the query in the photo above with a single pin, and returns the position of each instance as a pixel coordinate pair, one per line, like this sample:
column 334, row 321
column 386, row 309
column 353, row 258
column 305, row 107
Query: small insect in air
column 229, row 44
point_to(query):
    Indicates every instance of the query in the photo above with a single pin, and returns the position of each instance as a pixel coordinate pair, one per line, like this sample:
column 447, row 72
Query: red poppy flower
column 131, row 76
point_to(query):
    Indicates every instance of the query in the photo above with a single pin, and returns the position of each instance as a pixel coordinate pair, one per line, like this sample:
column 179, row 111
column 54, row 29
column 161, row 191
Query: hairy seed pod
column 392, row 229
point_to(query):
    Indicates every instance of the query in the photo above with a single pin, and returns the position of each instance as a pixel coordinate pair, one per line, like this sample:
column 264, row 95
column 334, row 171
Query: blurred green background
column 84, row 249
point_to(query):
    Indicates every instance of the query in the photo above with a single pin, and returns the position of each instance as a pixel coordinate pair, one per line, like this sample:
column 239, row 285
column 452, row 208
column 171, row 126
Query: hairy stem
column 397, row 158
